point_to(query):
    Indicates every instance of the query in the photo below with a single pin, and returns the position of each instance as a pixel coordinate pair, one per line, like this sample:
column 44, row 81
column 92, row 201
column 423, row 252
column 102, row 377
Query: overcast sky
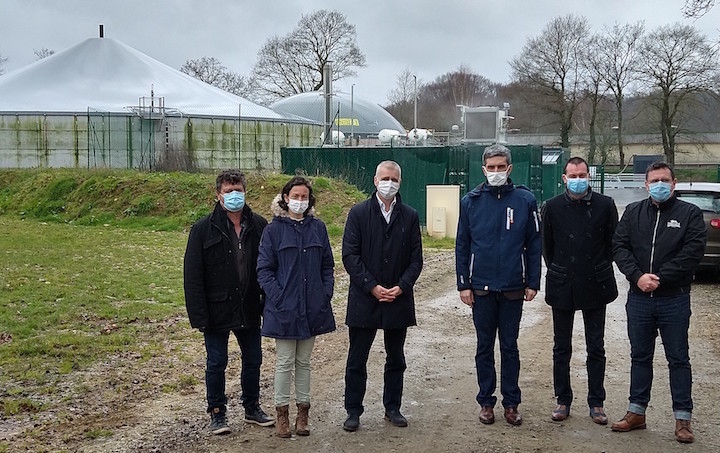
column 429, row 37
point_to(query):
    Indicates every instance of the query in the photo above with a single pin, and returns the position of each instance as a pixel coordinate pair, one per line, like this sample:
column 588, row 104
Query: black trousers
column 361, row 341
column 562, row 351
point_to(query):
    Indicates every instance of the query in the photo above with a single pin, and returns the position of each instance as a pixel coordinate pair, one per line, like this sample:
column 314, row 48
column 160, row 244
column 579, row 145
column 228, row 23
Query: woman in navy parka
column 295, row 269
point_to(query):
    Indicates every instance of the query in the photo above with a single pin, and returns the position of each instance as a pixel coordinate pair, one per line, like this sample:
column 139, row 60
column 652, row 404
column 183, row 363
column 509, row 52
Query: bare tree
column 460, row 87
column 697, row 8
column 2, row 63
column 595, row 88
column 43, row 53
column 618, row 50
column 552, row 64
column 677, row 62
column 402, row 97
column 294, row 63
column 211, row 71
column 404, row 90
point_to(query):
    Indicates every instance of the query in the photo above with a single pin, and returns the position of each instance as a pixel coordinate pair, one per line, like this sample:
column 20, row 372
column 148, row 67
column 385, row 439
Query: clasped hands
column 383, row 294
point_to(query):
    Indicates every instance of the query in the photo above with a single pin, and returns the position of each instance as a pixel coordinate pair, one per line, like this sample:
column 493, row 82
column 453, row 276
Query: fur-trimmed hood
column 277, row 211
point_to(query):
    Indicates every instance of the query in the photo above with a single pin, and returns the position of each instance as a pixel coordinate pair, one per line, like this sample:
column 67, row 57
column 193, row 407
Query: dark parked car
column 706, row 196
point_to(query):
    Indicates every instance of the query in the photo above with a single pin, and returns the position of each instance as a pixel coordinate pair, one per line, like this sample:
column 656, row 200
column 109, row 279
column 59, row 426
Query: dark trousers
column 494, row 314
column 361, row 341
column 594, row 320
column 216, row 345
column 671, row 316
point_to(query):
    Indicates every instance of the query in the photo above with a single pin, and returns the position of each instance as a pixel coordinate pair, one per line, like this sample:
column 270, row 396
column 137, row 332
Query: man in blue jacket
column 497, row 259
column 382, row 253
column 222, row 295
column 658, row 244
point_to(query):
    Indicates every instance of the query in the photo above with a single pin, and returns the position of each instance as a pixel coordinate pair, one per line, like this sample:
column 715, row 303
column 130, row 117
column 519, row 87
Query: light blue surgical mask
column 660, row 191
column 234, row 201
column 577, row 186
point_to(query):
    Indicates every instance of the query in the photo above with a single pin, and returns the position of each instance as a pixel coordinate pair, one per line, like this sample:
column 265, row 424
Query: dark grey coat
column 377, row 253
column 577, row 247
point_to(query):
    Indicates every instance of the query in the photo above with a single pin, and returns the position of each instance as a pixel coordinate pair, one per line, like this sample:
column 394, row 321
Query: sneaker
column 218, row 423
column 258, row 416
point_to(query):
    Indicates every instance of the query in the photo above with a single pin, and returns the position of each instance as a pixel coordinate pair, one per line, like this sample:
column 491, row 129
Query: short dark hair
column 659, row 165
column 230, row 177
column 575, row 161
column 297, row 181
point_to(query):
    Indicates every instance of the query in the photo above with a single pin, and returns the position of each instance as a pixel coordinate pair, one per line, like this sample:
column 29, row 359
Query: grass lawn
column 71, row 294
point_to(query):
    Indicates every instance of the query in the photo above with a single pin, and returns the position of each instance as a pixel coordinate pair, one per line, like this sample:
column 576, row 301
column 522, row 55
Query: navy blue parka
column 295, row 269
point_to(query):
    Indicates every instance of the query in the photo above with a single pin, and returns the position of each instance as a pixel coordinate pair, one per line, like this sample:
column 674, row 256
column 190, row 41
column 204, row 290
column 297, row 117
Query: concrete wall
column 689, row 149
column 98, row 139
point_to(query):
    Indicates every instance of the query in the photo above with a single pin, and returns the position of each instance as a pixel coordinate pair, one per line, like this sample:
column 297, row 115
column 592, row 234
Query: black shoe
column 352, row 423
column 396, row 418
column 258, row 416
column 218, row 423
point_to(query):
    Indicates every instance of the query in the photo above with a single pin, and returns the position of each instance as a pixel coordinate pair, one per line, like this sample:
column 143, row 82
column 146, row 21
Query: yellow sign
column 347, row 122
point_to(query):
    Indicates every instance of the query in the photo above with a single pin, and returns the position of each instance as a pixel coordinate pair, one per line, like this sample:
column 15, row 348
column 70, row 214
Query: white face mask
column 497, row 178
column 297, row 206
column 388, row 189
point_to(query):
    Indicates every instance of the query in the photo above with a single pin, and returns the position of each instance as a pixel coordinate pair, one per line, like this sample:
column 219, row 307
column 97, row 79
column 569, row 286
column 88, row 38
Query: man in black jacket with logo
column 658, row 245
column 222, row 295
column 578, row 228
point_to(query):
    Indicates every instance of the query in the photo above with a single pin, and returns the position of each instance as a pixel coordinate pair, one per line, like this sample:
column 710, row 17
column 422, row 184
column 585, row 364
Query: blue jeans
column 494, row 313
column 671, row 317
column 361, row 341
column 216, row 345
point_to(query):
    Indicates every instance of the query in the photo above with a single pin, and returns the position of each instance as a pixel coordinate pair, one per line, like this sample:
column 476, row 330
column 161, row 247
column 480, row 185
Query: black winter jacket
column 214, row 296
column 377, row 253
column 577, row 247
column 666, row 240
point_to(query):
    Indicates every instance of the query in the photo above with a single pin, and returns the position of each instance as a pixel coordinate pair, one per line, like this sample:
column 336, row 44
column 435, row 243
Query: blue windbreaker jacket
column 498, row 245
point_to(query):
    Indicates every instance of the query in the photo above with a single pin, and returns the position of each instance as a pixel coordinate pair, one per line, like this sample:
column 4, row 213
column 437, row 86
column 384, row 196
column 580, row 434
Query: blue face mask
column 234, row 201
column 660, row 191
column 577, row 186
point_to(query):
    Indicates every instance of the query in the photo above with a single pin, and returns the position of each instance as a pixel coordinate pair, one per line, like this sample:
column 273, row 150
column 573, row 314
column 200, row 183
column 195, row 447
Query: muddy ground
column 439, row 399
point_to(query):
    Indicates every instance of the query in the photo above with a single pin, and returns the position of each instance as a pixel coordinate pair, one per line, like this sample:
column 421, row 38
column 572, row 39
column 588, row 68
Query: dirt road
column 440, row 388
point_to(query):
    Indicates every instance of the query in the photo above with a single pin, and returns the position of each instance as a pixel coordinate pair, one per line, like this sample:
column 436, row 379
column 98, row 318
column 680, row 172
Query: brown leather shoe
column 560, row 413
column 512, row 416
column 683, row 432
column 487, row 415
column 630, row 421
column 598, row 416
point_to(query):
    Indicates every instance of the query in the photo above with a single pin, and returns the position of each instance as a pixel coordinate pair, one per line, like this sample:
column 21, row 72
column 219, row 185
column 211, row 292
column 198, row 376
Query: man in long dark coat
column 382, row 253
column 578, row 228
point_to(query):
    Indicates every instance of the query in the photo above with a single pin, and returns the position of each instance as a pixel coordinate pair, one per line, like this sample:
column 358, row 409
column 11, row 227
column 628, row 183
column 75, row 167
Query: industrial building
column 104, row 104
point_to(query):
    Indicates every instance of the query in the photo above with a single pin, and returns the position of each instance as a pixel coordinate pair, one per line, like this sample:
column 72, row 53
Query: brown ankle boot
column 283, row 421
column 301, row 422
column 683, row 432
column 629, row 422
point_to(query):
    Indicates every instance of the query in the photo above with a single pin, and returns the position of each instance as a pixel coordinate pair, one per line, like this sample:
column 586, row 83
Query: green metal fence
column 421, row 166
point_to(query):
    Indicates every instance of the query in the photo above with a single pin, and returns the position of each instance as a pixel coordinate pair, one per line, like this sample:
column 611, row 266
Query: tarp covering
column 104, row 74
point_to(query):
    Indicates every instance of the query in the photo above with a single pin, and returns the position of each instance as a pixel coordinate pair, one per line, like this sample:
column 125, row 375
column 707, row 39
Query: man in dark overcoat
column 382, row 253
column 578, row 227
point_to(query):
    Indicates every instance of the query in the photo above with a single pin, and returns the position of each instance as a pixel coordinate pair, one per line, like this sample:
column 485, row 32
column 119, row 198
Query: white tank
column 386, row 136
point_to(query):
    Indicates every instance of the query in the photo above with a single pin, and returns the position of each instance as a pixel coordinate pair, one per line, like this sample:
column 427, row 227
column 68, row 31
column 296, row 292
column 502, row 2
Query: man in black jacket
column 222, row 295
column 578, row 228
column 382, row 253
column 658, row 245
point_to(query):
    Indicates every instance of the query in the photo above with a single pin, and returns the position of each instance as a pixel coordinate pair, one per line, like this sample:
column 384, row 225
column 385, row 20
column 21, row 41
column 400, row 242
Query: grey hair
column 389, row 164
column 497, row 150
